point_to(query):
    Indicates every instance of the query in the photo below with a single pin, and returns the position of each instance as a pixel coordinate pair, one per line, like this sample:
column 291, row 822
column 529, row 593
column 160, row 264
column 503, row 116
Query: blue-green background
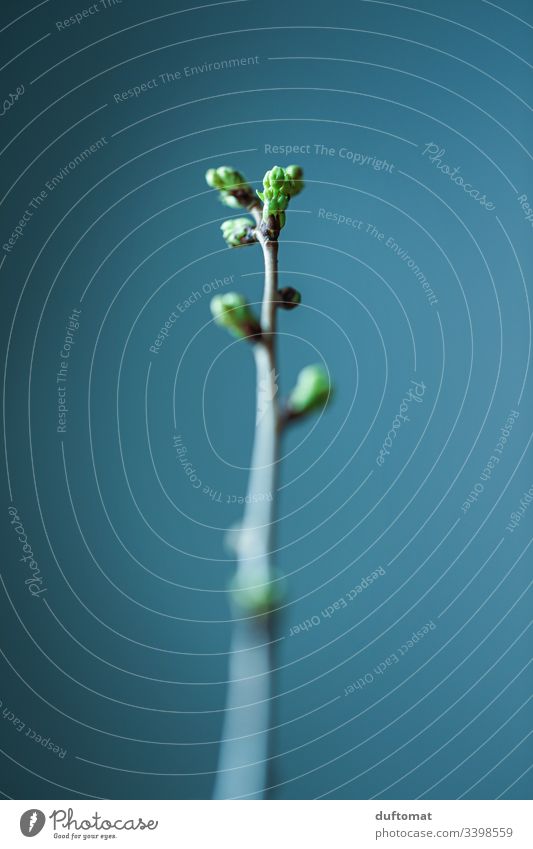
column 123, row 661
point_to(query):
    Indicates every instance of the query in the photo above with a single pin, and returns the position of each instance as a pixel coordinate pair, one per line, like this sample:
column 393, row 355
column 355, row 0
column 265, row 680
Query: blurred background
column 411, row 246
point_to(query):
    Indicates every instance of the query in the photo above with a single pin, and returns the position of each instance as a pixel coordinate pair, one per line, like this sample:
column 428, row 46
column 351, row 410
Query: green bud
column 289, row 298
column 212, row 179
column 312, row 390
column 275, row 179
column 228, row 174
column 237, row 231
column 288, row 181
column 225, row 178
column 295, row 174
column 274, row 201
column 232, row 311
column 258, row 599
column 279, row 185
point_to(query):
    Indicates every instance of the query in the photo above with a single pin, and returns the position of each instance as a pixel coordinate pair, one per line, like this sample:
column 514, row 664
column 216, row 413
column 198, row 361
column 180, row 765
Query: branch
column 243, row 763
column 245, row 757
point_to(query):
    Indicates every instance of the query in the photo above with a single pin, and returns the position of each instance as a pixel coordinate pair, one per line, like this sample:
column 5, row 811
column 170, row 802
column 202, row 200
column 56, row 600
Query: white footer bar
column 269, row 825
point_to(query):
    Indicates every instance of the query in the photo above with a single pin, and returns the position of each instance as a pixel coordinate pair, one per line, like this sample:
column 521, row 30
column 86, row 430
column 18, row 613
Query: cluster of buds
column 233, row 188
column 279, row 185
column 233, row 312
column 312, row 392
column 238, row 231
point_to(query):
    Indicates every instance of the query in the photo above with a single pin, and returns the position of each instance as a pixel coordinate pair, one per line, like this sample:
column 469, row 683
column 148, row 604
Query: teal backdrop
column 403, row 643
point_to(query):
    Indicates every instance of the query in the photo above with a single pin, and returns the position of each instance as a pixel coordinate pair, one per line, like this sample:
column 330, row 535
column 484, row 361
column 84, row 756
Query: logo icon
column 32, row 822
column 268, row 389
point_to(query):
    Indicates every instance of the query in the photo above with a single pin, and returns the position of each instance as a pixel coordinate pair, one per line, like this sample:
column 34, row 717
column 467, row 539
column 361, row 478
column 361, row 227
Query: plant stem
column 244, row 759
